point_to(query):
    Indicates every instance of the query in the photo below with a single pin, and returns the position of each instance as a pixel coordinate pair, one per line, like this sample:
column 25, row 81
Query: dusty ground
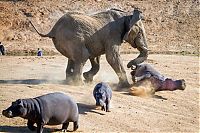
column 178, row 111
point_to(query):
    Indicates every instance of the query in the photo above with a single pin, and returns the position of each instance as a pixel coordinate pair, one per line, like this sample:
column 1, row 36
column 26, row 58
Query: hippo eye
column 13, row 103
column 98, row 95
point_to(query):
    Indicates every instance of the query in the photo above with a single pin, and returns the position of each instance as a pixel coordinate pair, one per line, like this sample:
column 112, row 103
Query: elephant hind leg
column 69, row 70
column 93, row 71
column 79, row 62
column 73, row 72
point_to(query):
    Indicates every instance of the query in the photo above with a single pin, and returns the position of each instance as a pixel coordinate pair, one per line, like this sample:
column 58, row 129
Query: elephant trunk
column 141, row 45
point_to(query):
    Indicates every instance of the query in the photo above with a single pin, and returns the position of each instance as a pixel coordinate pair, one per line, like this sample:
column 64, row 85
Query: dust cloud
column 142, row 89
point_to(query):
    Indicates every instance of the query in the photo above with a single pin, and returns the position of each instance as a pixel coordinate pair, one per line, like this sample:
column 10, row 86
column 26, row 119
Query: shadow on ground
column 34, row 81
column 19, row 129
column 153, row 96
column 84, row 108
column 159, row 97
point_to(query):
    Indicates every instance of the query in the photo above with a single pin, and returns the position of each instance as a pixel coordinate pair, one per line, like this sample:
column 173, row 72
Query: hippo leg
column 75, row 125
column 172, row 85
column 102, row 108
column 108, row 105
column 40, row 127
column 30, row 125
column 65, row 126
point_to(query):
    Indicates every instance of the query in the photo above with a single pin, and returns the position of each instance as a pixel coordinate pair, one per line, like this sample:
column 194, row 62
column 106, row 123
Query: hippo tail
column 50, row 35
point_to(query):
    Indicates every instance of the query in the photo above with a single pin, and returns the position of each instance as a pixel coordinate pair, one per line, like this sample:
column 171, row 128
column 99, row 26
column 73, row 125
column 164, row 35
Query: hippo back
column 58, row 106
column 103, row 87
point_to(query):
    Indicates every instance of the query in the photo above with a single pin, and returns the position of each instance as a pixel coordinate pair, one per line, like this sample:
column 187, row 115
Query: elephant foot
column 123, row 84
column 69, row 80
column 88, row 77
column 76, row 82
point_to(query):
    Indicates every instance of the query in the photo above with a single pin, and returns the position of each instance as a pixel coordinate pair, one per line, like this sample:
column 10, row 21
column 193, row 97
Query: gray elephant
column 80, row 37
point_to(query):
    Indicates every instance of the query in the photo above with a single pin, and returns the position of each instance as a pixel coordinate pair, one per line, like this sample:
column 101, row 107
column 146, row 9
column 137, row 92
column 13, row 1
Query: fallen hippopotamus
column 146, row 73
column 50, row 109
column 103, row 94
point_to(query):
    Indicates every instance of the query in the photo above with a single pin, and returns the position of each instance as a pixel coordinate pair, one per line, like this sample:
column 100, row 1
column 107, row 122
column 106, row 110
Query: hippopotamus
column 159, row 82
column 50, row 109
column 103, row 94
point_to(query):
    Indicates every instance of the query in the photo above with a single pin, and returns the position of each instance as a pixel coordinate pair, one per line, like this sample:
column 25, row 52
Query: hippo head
column 16, row 109
column 100, row 96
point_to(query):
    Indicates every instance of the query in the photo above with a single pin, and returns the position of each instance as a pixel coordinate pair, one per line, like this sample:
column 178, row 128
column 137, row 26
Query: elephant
column 80, row 37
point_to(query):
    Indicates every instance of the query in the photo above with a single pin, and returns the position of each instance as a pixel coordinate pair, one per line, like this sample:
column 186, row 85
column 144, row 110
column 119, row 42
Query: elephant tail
column 50, row 35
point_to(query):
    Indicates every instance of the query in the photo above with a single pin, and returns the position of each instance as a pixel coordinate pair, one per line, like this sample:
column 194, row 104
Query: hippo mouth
column 7, row 114
column 101, row 103
column 98, row 104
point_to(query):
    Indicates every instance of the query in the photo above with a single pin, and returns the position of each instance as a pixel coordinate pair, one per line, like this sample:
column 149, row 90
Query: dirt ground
column 177, row 111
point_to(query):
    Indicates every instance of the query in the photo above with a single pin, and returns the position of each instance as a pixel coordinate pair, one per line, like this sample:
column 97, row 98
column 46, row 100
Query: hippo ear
column 19, row 102
column 99, row 85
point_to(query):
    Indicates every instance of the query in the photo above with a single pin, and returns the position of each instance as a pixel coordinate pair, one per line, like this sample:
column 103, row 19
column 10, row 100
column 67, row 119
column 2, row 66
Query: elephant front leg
column 113, row 58
column 93, row 71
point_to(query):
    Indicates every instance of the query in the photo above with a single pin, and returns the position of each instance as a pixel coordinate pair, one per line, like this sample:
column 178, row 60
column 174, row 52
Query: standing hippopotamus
column 50, row 109
column 103, row 94
column 159, row 82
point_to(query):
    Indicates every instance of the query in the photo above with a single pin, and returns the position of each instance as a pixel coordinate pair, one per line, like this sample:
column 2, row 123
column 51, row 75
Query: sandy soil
column 177, row 111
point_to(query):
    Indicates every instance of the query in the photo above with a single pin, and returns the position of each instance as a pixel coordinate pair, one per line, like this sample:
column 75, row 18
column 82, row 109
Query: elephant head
column 136, row 37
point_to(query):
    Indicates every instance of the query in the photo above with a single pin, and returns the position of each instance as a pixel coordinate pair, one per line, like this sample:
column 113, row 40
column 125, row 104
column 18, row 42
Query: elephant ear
column 131, row 35
column 137, row 15
column 133, row 28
